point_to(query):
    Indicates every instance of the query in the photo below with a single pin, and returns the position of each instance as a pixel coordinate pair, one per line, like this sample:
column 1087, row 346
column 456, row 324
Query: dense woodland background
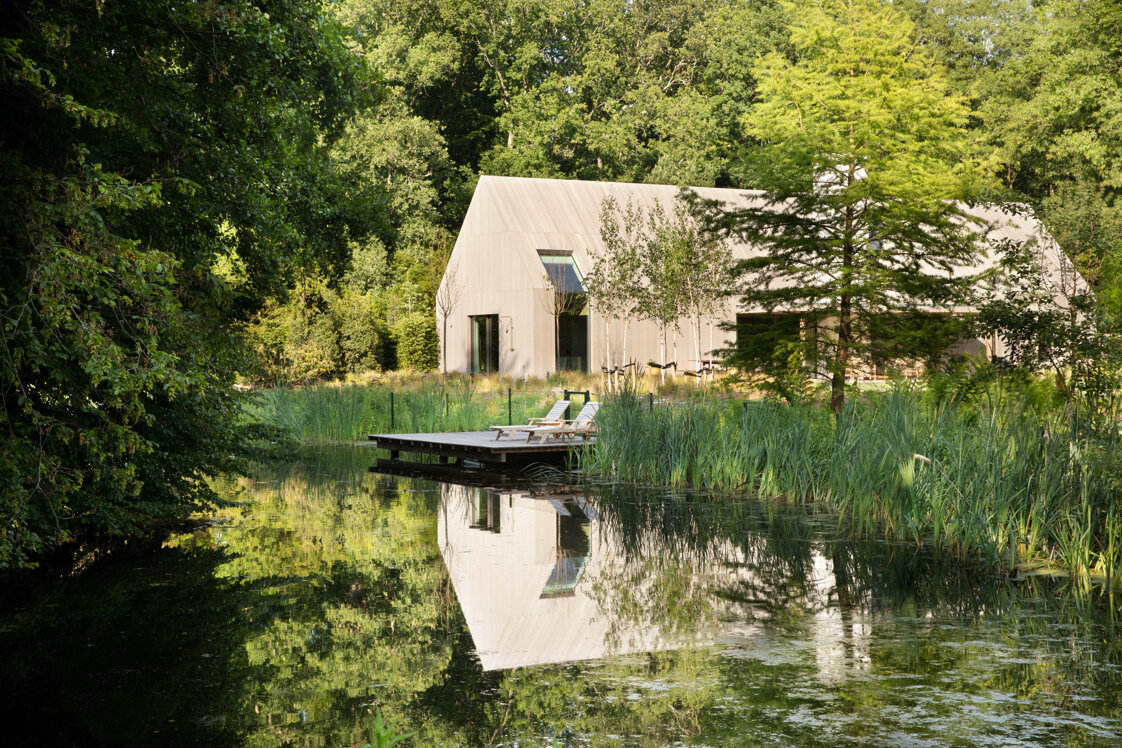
column 200, row 192
column 660, row 92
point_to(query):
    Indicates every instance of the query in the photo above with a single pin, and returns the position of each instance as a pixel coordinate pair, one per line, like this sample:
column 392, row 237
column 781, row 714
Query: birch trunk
column 662, row 357
column 608, row 352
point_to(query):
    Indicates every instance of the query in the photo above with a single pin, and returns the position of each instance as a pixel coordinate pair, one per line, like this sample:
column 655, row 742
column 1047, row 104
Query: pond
column 325, row 595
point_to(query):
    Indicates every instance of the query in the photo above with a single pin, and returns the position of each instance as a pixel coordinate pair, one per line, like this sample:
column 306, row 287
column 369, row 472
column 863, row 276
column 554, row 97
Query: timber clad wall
column 500, row 272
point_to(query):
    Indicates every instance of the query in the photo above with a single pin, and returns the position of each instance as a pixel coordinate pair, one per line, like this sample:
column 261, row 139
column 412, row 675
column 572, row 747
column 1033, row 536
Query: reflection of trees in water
column 352, row 611
column 356, row 613
column 907, row 611
column 686, row 560
column 648, row 699
column 333, row 603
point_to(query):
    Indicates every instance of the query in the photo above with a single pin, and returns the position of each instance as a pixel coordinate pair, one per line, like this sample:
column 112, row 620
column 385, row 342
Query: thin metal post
column 650, row 402
column 393, row 420
column 509, row 406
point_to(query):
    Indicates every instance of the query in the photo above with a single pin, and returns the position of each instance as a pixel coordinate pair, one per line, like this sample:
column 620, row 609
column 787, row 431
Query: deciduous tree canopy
column 145, row 145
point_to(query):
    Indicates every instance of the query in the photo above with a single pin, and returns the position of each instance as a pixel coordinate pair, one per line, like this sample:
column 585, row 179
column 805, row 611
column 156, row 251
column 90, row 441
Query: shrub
column 362, row 332
column 418, row 346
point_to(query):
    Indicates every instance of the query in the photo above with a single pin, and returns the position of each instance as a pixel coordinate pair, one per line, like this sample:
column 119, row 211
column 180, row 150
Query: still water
column 472, row 616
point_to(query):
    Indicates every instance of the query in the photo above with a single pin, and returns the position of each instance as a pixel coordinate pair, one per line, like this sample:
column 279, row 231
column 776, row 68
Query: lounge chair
column 555, row 417
column 583, row 425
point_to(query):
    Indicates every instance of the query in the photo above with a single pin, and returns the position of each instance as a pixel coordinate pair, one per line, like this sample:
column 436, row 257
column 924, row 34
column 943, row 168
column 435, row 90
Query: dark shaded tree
column 145, row 145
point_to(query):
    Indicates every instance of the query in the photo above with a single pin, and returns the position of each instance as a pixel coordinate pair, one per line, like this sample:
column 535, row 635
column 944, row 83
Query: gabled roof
column 571, row 207
column 565, row 213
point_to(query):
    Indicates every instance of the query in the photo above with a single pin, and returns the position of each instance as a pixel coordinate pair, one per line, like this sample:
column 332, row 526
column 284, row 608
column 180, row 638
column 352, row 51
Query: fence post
column 509, row 406
column 650, row 402
column 393, row 420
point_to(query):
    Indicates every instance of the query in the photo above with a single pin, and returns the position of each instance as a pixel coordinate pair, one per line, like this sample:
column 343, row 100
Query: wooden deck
column 478, row 446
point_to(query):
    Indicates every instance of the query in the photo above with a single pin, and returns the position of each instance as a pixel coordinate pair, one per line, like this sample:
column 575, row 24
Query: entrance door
column 485, row 344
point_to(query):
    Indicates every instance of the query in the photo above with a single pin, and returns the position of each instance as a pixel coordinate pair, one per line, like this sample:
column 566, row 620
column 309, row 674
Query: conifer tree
column 863, row 154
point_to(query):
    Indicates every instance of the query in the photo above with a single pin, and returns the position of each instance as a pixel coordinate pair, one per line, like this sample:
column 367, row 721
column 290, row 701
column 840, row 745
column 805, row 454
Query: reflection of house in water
column 540, row 579
column 523, row 570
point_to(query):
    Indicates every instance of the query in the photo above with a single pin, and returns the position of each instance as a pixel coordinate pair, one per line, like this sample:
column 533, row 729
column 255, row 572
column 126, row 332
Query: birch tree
column 690, row 267
column 613, row 280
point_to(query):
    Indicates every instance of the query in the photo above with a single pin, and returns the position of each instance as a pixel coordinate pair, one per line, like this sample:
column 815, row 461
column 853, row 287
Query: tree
column 447, row 300
column 611, row 89
column 1051, row 320
column 691, row 266
column 1055, row 117
column 558, row 300
column 862, row 153
column 144, row 145
column 611, row 282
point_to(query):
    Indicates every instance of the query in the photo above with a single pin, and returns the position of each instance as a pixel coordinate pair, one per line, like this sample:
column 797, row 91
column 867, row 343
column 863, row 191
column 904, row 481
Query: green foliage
column 418, row 347
column 1054, row 116
column 862, row 156
column 1004, row 477
column 1055, row 327
column 383, row 736
column 362, row 332
column 319, row 334
column 150, row 150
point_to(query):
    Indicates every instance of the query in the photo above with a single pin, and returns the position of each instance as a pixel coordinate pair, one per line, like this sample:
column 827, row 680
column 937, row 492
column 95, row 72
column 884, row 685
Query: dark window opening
column 571, row 308
column 573, row 337
column 485, row 344
column 485, row 510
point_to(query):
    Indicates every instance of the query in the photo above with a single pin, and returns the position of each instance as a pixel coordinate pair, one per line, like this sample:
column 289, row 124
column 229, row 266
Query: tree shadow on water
column 144, row 648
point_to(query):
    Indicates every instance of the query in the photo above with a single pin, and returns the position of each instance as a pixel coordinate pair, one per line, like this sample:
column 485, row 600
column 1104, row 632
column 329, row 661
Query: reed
column 1006, row 481
column 332, row 414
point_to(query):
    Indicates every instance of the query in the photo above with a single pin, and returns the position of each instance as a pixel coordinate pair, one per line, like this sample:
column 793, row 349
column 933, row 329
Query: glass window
column 562, row 271
column 485, row 344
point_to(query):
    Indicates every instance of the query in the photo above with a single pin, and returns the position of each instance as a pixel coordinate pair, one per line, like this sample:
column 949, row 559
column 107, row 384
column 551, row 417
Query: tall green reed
column 326, row 414
column 1002, row 480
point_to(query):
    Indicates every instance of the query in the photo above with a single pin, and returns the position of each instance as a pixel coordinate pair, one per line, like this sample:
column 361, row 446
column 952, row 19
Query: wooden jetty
column 480, row 447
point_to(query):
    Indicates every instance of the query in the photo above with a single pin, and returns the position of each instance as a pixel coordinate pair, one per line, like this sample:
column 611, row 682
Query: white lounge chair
column 555, row 417
column 583, row 425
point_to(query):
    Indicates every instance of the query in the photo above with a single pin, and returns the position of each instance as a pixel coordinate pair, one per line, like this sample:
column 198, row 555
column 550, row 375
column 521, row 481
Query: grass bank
column 1008, row 479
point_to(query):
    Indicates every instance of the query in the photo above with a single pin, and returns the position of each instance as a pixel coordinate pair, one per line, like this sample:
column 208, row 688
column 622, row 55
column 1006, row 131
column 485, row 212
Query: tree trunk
column 710, row 348
column 845, row 340
column 697, row 344
column 845, row 302
column 608, row 352
column 557, row 343
column 662, row 358
column 623, row 360
column 841, row 364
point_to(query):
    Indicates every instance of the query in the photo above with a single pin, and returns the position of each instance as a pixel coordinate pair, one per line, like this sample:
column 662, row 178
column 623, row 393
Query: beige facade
column 497, row 271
